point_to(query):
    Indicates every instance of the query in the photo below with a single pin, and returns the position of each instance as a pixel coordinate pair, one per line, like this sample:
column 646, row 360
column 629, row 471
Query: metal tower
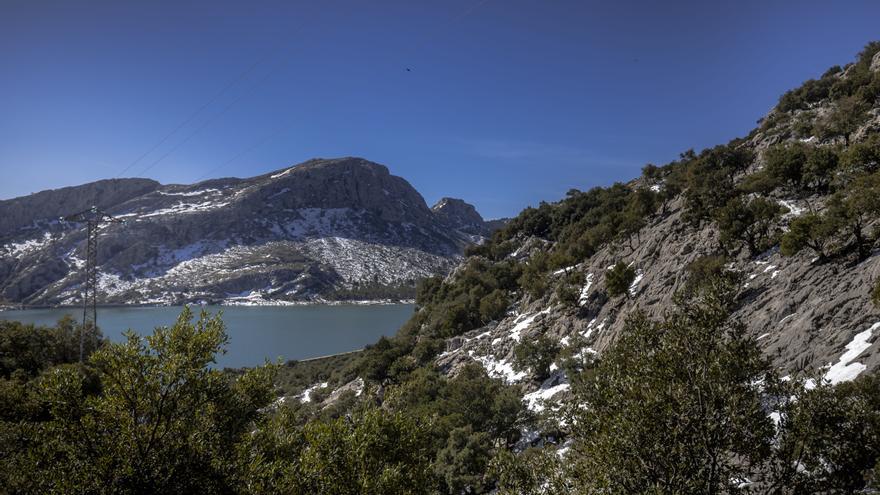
column 93, row 218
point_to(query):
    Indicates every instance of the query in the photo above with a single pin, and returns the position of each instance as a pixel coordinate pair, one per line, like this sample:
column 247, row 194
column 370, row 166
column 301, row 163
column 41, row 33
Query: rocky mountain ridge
column 792, row 211
column 322, row 230
column 813, row 316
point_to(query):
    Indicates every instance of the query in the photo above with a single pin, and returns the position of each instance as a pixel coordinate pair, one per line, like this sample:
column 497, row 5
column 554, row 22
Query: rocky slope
column 811, row 316
column 324, row 229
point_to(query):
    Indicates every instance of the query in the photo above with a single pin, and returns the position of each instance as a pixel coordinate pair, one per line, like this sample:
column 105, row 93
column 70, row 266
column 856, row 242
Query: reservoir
column 256, row 333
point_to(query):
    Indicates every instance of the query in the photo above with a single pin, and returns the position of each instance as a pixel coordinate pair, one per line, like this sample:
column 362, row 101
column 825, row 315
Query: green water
column 255, row 333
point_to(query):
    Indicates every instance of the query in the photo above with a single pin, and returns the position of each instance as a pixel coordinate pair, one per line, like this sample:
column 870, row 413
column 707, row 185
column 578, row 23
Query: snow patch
column 585, row 291
column 282, row 174
column 793, row 209
column 845, row 370
column 18, row 249
column 500, row 369
column 535, row 401
column 306, row 396
column 633, row 288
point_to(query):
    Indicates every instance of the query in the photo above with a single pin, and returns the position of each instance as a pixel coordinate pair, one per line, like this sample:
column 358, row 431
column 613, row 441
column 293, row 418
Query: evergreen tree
column 618, row 279
column 673, row 406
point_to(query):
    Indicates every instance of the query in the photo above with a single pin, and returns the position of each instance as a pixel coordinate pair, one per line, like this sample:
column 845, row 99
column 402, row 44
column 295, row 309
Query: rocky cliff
column 811, row 313
column 323, row 229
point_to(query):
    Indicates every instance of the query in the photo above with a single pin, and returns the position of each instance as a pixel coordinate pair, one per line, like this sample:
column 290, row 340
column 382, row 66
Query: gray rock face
column 875, row 62
column 312, row 231
column 807, row 315
column 460, row 215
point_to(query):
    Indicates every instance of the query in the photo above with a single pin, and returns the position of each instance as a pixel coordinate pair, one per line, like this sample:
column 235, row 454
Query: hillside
column 791, row 212
column 322, row 230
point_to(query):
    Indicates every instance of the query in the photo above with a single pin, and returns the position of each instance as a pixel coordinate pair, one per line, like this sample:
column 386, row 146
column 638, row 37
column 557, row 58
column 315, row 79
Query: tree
column 829, row 439
column 31, row 349
column 673, row 406
column 845, row 119
column 373, row 452
column 619, row 279
column 536, row 471
column 810, row 230
column 494, row 305
column 819, row 169
column 462, row 464
column 163, row 422
column 750, row 223
column 852, row 209
column 862, row 158
column 785, row 163
column 536, row 355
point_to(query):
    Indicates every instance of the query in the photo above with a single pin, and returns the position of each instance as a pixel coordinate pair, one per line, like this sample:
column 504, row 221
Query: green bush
column 536, row 356
column 704, row 269
column 31, row 349
column 618, row 279
column 685, row 373
column 750, row 223
column 710, row 180
column 830, row 439
column 862, row 158
column 852, row 209
column 808, row 231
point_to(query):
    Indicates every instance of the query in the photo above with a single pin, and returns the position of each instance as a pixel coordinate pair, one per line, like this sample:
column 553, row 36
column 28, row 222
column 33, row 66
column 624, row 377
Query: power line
column 246, row 92
column 241, row 153
column 195, row 114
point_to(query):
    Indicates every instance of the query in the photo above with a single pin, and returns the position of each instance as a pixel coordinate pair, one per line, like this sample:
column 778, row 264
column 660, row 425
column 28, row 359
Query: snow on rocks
column 592, row 327
column 200, row 192
column 522, row 322
column 634, row 287
column 585, row 292
column 499, row 368
column 536, row 401
column 186, row 208
column 17, row 249
column 793, row 209
column 845, row 370
column 282, row 174
column 306, row 396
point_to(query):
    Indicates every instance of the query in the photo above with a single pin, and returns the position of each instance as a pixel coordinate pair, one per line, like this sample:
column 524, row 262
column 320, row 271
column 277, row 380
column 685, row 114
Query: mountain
column 785, row 220
column 324, row 229
column 794, row 207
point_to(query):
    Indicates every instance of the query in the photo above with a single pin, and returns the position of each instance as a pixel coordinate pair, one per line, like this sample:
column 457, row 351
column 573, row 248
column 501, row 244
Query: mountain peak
column 460, row 215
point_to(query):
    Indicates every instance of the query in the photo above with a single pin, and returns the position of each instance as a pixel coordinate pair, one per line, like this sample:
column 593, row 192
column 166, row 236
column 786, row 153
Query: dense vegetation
column 690, row 405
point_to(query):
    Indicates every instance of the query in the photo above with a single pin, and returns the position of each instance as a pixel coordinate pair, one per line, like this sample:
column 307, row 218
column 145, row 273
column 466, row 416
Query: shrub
column 808, row 231
column 704, row 269
column 784, row 163
column 536, row 355
column 819, row 169
column 849, row 113
column 851, row 210
column 619, row 279
column 830, row 438
column 750, row 223
column 710, row 180
column 862, row 157
column 685, row 373
column 494, row 305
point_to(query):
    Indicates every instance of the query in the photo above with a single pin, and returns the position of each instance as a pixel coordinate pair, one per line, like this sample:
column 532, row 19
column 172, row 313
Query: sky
column 501, row 103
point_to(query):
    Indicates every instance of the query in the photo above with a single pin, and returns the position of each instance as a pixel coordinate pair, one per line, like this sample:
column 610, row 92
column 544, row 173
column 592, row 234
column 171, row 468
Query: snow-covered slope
column 324, row 229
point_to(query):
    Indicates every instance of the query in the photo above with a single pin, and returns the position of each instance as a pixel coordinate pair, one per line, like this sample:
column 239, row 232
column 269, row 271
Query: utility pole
column 93, row 218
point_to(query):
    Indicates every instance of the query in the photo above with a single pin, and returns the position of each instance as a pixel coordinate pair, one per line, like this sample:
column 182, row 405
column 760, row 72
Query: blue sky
column 506, row 103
